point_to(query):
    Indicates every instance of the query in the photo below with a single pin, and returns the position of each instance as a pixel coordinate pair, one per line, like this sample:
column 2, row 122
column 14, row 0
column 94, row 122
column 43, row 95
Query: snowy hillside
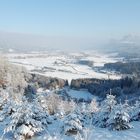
column 70, row 121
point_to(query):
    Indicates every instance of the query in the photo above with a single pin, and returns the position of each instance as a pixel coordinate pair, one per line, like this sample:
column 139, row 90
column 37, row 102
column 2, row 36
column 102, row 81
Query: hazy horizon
column 67, row 25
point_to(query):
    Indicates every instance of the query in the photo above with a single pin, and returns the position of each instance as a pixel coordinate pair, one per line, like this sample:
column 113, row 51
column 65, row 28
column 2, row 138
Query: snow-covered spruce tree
column 100, row 118
column 26, row 121
column 119, row 118
column 93, row 106
column 127, row 107
column 83, row 111
column 72, row 124
column 135, row 113
column 76, row 123
column 87, row 111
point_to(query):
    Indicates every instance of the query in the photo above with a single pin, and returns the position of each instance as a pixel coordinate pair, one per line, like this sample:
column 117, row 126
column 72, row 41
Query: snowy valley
column 66, row 96
column 67, row 65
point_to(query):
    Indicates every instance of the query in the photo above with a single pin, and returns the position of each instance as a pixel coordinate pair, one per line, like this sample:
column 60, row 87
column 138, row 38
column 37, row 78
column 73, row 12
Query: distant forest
column 124, row 68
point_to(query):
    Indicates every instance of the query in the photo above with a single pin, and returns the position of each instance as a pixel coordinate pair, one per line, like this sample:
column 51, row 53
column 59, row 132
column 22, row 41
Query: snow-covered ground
column 96, row 133
column 80, row 94
column 65, row 65
column 104, row 134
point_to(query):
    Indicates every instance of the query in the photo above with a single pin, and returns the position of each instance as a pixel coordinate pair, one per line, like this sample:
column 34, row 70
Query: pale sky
column 79, row 20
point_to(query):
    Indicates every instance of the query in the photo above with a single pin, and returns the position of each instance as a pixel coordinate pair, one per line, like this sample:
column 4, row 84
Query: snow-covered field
column 80, row 94
column 65, row 65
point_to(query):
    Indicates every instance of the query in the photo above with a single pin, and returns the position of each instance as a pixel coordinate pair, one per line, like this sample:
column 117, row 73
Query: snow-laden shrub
column 60, row 110
column 41, row 114
column 65, row 107
column 119, row 118
column 101, row 117
column 54, row 104
column 72, row 124
column 49, row 101
column 42, row 100
column 8, row 108
column 4, row 95
column 8, row 103
column 69, row 106
column 26, row 121
column 135, row 113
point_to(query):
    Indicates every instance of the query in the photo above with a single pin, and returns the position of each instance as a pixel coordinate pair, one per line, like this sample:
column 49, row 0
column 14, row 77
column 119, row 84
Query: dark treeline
column 124, row 68
column 122, row 88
